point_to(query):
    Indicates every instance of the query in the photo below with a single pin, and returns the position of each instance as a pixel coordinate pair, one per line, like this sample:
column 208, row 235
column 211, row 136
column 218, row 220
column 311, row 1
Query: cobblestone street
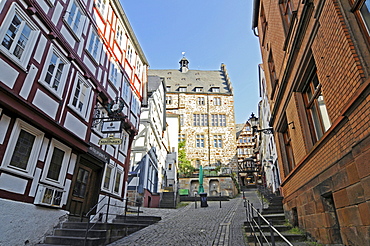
column 199, row 226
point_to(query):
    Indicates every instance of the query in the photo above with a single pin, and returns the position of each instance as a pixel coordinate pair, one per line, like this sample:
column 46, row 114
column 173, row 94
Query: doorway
column 85, row 187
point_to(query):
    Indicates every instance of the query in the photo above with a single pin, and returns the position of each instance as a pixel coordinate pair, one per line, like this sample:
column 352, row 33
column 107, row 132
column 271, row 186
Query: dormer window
column 182, row 89
column 198, row 89
column 215, row 89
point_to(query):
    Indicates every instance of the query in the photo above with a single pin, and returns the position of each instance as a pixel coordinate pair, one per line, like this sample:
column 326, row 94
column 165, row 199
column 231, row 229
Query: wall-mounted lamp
column 292, row 123
column 254, row 122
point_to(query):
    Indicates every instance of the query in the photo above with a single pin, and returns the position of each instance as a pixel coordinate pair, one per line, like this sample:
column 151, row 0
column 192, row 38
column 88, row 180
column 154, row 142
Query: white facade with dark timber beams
column 62, row 63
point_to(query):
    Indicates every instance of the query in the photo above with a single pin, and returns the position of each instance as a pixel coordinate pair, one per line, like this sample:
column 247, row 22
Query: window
column 168, row 88
column 129, row 53
column 125, row 139
column 182, row 89
column 126, row 91
column 101, row 6
column 197, row 163
column 138, row 69
column 94, row 47
column 217, row 101
column 362, row 11
column 218, row 120
column 23, row 149
column 216, row 89
column 181, row 120
column 315, row 107
column 217, row 141
column 182, row 138
column 198, row 89
column 119, row 34
column 170, row 167
column 200, row 120
column 75, row 18
column 287, row 149
column 272, row 71
column 286, row 10
column 18, row 36
column 168, row 100
column 248, row 128
column 112, row 179
column 107, row 177
column 199, row 141
column 81, row 96
column 56, row 163
column 118, row 182
column 200, row 100
column 114, row 74
column 55, row 72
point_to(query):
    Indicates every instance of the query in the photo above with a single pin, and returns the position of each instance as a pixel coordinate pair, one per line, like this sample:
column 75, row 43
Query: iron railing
column 91, row 217
column 254, row 220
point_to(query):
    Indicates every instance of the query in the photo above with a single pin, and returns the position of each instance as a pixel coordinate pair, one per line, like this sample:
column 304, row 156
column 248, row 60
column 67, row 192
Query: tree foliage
column 185, row 167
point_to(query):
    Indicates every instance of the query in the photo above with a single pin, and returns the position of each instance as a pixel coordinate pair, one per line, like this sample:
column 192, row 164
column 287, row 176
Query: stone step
column 64, row 240
column 145, row 220
column 79, row 233
column 291, row 237
column 266, row 228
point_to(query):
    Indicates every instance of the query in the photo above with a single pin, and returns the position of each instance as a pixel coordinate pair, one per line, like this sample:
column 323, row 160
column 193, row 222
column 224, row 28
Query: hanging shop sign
column 110, row 141
column 111, row 126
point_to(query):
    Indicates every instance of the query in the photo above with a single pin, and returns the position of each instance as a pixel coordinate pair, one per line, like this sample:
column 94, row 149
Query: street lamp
column 254, row 122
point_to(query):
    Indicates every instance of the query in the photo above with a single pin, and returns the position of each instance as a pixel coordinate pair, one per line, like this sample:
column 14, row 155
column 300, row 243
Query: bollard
column 195, row 201
column 220, row 199
column 272, row 233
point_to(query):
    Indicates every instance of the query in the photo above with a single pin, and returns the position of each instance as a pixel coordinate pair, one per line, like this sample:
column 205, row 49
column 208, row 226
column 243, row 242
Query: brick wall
column 329, row 185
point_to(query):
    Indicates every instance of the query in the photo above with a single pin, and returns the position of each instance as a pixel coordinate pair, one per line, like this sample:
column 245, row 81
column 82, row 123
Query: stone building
column 316, row 60
column 63, row 64
column 204, row 102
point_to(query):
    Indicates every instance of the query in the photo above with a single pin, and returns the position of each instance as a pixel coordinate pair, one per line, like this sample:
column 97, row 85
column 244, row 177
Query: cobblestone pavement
column 190, row 226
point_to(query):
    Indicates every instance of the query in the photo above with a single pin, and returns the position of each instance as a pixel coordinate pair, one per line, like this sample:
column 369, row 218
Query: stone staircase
column 168, row 200
column 275, row 215
column 73, row 233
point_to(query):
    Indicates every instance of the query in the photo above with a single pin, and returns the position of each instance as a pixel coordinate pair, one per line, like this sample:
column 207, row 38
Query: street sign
column 110, row 141
column 111, row 126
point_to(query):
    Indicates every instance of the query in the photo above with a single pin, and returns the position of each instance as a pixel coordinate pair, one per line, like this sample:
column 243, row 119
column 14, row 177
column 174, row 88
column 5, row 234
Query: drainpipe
column 256, row 8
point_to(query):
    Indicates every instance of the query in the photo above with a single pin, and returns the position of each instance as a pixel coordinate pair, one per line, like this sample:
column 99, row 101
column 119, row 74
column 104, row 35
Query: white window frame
column 114, row 74
column 63, row 171
column 32, row 160
column 81, row 23
column 63, row 77
column 30, row 44
column 94, row 45
column 119, row 33
column 119, row 170
column 111, row 166
column 102, row 6
column 126, row 90
column 217, row 101
column 112, row 179
column 129, row 53
column 125, row 137
column 86, row 101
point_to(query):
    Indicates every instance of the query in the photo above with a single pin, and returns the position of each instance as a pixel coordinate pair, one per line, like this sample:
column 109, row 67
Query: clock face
column 115, row 107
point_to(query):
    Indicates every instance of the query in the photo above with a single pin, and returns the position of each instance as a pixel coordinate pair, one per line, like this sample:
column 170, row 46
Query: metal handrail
column 88, row 227
column 250, row 209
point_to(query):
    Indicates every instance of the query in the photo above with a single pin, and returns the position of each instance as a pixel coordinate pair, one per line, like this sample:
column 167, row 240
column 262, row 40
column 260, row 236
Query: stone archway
column 194, row 185
column 214, row 187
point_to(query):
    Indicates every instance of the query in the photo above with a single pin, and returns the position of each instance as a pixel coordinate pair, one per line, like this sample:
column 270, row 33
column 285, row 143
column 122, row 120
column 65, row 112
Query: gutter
column 256, row 8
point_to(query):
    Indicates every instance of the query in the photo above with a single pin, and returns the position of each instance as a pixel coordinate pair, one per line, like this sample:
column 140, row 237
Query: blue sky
column 211, row 32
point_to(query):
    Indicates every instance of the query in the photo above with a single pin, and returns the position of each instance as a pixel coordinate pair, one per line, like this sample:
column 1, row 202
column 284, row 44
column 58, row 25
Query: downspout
column 256, row 8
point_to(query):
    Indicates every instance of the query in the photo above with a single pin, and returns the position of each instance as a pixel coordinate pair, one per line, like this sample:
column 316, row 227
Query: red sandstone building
column 317, row 64
column 65, row 66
